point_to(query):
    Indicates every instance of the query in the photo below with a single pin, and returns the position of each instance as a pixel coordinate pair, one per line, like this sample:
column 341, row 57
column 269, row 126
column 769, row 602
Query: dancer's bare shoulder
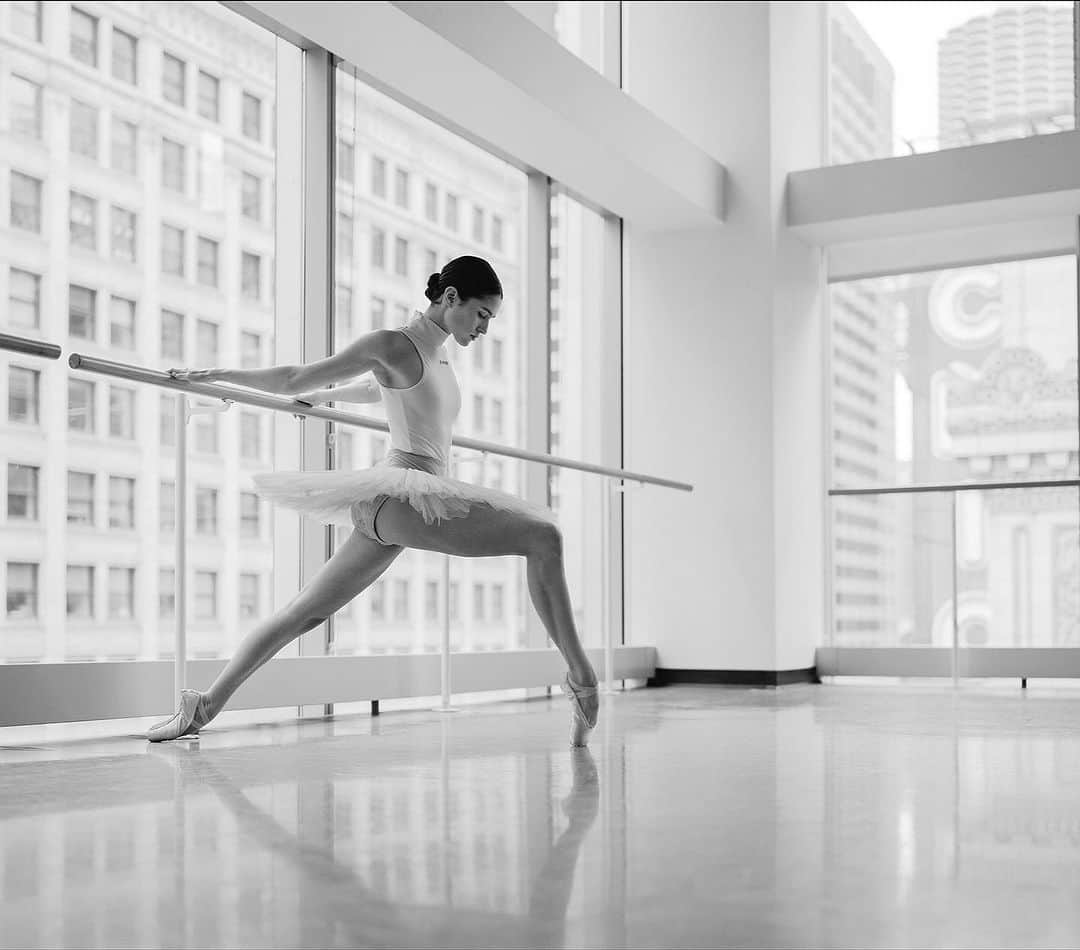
column 401, row 366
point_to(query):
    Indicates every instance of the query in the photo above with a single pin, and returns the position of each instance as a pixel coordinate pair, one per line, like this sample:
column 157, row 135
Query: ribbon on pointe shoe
column 187, row 720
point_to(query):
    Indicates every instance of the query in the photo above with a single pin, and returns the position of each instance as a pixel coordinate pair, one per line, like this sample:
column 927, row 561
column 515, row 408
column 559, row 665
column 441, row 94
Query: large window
column 380, row 277
column 961, row 375
column 577, row 389
column 121, row 235
column 969, row 73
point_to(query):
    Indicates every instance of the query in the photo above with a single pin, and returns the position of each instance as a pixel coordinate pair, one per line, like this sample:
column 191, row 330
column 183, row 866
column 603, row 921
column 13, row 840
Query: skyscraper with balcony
column 975, row 335
column 1006, row 74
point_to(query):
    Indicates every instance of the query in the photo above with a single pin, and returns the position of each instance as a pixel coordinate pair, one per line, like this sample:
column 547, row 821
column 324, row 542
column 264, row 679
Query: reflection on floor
column 806, row 816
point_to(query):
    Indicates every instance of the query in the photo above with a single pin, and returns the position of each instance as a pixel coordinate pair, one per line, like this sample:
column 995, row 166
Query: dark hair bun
column 469, row 276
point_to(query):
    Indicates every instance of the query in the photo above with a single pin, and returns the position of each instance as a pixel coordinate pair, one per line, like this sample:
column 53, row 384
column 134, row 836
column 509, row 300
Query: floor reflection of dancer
column 406, row 500
column 346, row 908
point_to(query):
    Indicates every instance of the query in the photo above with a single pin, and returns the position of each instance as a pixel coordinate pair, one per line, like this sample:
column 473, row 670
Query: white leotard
column 422, row 416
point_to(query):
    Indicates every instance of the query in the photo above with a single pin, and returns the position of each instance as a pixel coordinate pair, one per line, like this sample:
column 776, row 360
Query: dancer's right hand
column 196, row 375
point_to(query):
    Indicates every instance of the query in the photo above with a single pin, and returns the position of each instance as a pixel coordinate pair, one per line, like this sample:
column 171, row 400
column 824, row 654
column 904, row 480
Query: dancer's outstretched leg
column 354, row 566
column 487, row 532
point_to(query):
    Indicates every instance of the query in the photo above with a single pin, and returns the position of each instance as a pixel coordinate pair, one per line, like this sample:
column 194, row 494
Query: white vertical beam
column 537, row 324
column 288, row 296
column 318, row 131
column 611, row 447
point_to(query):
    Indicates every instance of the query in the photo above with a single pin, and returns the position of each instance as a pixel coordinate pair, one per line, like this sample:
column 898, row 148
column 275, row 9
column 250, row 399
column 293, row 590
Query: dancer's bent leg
column 488, row 532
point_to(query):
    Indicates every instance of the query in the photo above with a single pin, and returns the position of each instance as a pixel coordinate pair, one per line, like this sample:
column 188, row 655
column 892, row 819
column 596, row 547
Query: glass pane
column 579, row 25
column 579, row 293
column 909, row 77
column 960, row 374
column 380, row 274
column 1018, row 567
column 891, row 570
column 91, row 585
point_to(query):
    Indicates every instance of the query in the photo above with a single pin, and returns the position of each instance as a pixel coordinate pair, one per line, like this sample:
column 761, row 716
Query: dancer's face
column 468, row 320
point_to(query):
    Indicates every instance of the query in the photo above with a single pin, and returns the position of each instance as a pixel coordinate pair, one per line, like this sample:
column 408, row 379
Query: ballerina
column 406, row 500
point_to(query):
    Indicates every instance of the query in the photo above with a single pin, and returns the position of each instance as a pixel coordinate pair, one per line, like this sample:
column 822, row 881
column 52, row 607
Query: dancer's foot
column 186, row 721
column 585, row 705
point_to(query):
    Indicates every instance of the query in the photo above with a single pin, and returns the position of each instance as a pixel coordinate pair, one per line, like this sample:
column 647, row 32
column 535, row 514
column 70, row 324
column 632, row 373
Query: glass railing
column 966, row 580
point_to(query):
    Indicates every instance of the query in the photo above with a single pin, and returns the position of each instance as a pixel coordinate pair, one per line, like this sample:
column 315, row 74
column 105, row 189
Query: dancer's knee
column 545, row 540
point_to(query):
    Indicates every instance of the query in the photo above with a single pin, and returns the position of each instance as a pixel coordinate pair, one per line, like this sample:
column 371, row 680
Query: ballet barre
column 24, row 344
column 231, row 394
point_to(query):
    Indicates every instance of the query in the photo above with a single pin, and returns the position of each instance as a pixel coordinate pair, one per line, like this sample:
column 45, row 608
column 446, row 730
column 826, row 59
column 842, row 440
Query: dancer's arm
column 361, row 356
column 367, row 352
column 364, row 390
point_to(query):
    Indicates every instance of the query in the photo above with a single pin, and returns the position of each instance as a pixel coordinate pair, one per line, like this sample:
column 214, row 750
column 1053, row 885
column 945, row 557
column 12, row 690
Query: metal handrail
column 238, row 394
column 23, row 344
column 958, row 486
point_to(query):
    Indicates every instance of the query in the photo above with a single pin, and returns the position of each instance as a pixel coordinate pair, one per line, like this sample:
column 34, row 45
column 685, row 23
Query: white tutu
column 329, row 496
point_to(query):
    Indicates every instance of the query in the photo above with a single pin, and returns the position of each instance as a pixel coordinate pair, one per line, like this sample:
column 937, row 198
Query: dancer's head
column 465, row 295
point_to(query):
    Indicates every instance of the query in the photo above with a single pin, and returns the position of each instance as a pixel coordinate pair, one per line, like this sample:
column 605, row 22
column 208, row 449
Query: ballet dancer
column 406, row 500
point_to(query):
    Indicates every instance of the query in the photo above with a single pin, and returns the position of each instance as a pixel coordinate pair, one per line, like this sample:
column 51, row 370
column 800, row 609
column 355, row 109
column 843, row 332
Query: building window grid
column 172, row 250
column 121, row 502
column 80, row 591
column 207, row 264
column 121, row 593
column 209, row 96
column 121, row 412
column 173, row 76
column 251, row 119
column 80, row 498
column 250, row 275
column 123, row 155
column 82, row 312
column 82, row 221
column 24, row 298
column 123, row 234
column 24, row 395
column 401, row 188
column 22, row 590
column 173, row 166
column 378, row 176
column 251, row 197
column 124, row 57
column 25, row 202
column 83, row 43
column 249, row 515
column 23, row 492
column 26, row 19
column 24, row 107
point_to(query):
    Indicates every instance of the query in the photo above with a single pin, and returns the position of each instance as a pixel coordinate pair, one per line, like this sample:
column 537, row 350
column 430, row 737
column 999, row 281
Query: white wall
column 723, row 349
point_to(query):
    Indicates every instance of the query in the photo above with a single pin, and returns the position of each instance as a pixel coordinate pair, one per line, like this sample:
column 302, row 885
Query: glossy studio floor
column 806, row 816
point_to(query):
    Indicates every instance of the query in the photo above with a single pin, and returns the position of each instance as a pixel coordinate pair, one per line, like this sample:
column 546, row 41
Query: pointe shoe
column 187, row 720
column 580, row 725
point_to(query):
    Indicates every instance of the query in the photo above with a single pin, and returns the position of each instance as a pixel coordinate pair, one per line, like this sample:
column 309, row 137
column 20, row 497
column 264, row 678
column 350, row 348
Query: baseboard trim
column 671, row 677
